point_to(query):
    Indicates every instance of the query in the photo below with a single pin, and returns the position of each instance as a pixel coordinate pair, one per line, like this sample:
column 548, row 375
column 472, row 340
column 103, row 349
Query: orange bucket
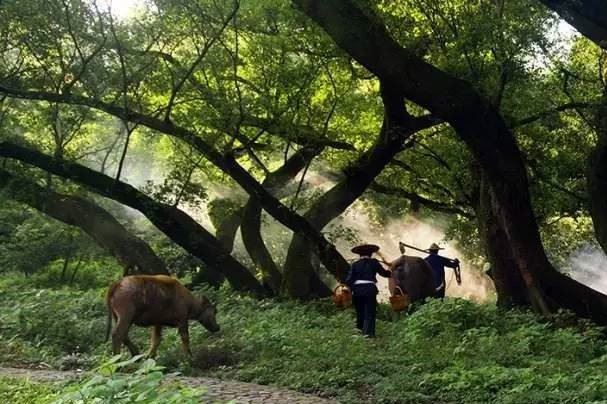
column 399, row 300
column 342, row 296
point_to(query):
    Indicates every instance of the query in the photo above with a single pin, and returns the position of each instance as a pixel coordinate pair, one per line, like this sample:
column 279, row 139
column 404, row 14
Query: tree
column 483, row 130
column 78, row 79
column 245, row 103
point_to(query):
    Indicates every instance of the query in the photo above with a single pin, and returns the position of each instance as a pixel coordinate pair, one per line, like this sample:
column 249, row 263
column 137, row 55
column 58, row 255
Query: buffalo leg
column 120, row 334
column 132, row 347
column 155, row 340
column 185, row 339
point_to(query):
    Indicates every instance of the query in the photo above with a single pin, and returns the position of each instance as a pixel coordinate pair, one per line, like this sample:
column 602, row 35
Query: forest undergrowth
column 451, row 351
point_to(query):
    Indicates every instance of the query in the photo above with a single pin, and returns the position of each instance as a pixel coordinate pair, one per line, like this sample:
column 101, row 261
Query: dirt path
column 216, row 390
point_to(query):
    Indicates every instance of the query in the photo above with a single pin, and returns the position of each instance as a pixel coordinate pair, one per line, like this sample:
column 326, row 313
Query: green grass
column 26, row 392
column 453, row 351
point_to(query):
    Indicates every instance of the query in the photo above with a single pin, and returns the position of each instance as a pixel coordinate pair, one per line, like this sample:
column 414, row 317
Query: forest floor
column 446, row 351
column 215, row 389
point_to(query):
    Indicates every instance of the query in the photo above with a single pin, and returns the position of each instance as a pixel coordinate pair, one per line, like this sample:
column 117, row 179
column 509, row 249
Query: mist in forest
column 589, row 266
column 475, row 284
column 356, row 221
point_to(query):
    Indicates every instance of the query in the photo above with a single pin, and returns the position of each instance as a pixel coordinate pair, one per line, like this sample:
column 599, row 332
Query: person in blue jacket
column 362, row 281
column 438, row 264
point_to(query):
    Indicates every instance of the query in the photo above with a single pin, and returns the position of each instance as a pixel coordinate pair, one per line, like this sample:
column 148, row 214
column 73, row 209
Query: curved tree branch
column 544, row 114
column 251, row 218
column 415, row 198
column 327, row 251
column 134, row 254
column 176, row 224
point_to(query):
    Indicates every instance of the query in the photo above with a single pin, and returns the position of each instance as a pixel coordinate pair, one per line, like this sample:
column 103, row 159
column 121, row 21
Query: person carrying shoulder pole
column 361, row 279
column 438, row 264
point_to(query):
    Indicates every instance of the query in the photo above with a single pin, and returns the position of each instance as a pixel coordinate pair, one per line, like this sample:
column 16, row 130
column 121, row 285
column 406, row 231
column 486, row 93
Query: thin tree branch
column 203, row 52
column 544, row 114
column 413, row 197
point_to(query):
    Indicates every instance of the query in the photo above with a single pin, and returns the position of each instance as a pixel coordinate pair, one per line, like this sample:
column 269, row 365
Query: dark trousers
column 366, row 307
column 440, row 294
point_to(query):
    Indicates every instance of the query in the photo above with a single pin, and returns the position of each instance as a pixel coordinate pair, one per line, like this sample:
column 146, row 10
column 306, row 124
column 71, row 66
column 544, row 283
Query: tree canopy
column 486, row 115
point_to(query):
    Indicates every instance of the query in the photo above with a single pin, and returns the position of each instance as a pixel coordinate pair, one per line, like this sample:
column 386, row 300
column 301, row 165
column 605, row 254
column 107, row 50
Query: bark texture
column 509, row 285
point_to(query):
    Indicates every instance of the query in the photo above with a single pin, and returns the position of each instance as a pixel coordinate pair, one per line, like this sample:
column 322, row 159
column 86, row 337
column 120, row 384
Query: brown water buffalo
column 415, row 278
column 157, row 301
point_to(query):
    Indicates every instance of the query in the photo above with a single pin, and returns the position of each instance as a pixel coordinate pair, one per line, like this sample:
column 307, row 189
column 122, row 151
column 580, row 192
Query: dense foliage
column 117, row 382
column 451, row 351
column 236, row 143
column 19, row 391
column 235, row 76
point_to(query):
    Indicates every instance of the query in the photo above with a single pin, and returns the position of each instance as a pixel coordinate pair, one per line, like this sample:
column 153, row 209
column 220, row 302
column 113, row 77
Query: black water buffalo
column 414, row 276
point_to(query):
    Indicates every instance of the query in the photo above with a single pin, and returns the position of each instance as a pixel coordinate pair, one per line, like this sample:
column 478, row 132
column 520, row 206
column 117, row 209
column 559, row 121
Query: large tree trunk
column 398, row 126
column 251, row 218
column 250, row 229
column 176, row 224
column 474, row 118
column 589, row 17
column 226, row 222
column 596, row 177
column 509, row 285
column 134, row 254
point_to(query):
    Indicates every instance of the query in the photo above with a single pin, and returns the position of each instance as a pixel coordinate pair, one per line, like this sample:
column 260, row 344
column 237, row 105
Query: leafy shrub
column 48, row 325
column 81, row 275
column 142, row 386
column 66, row 321
column 30, row 241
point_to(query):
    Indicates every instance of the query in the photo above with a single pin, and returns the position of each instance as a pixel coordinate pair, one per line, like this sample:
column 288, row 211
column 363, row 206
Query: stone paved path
column 216, row 390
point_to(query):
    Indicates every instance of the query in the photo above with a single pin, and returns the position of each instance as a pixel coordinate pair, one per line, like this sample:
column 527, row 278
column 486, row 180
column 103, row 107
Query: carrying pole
column 402, row 250
column 456, row 270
